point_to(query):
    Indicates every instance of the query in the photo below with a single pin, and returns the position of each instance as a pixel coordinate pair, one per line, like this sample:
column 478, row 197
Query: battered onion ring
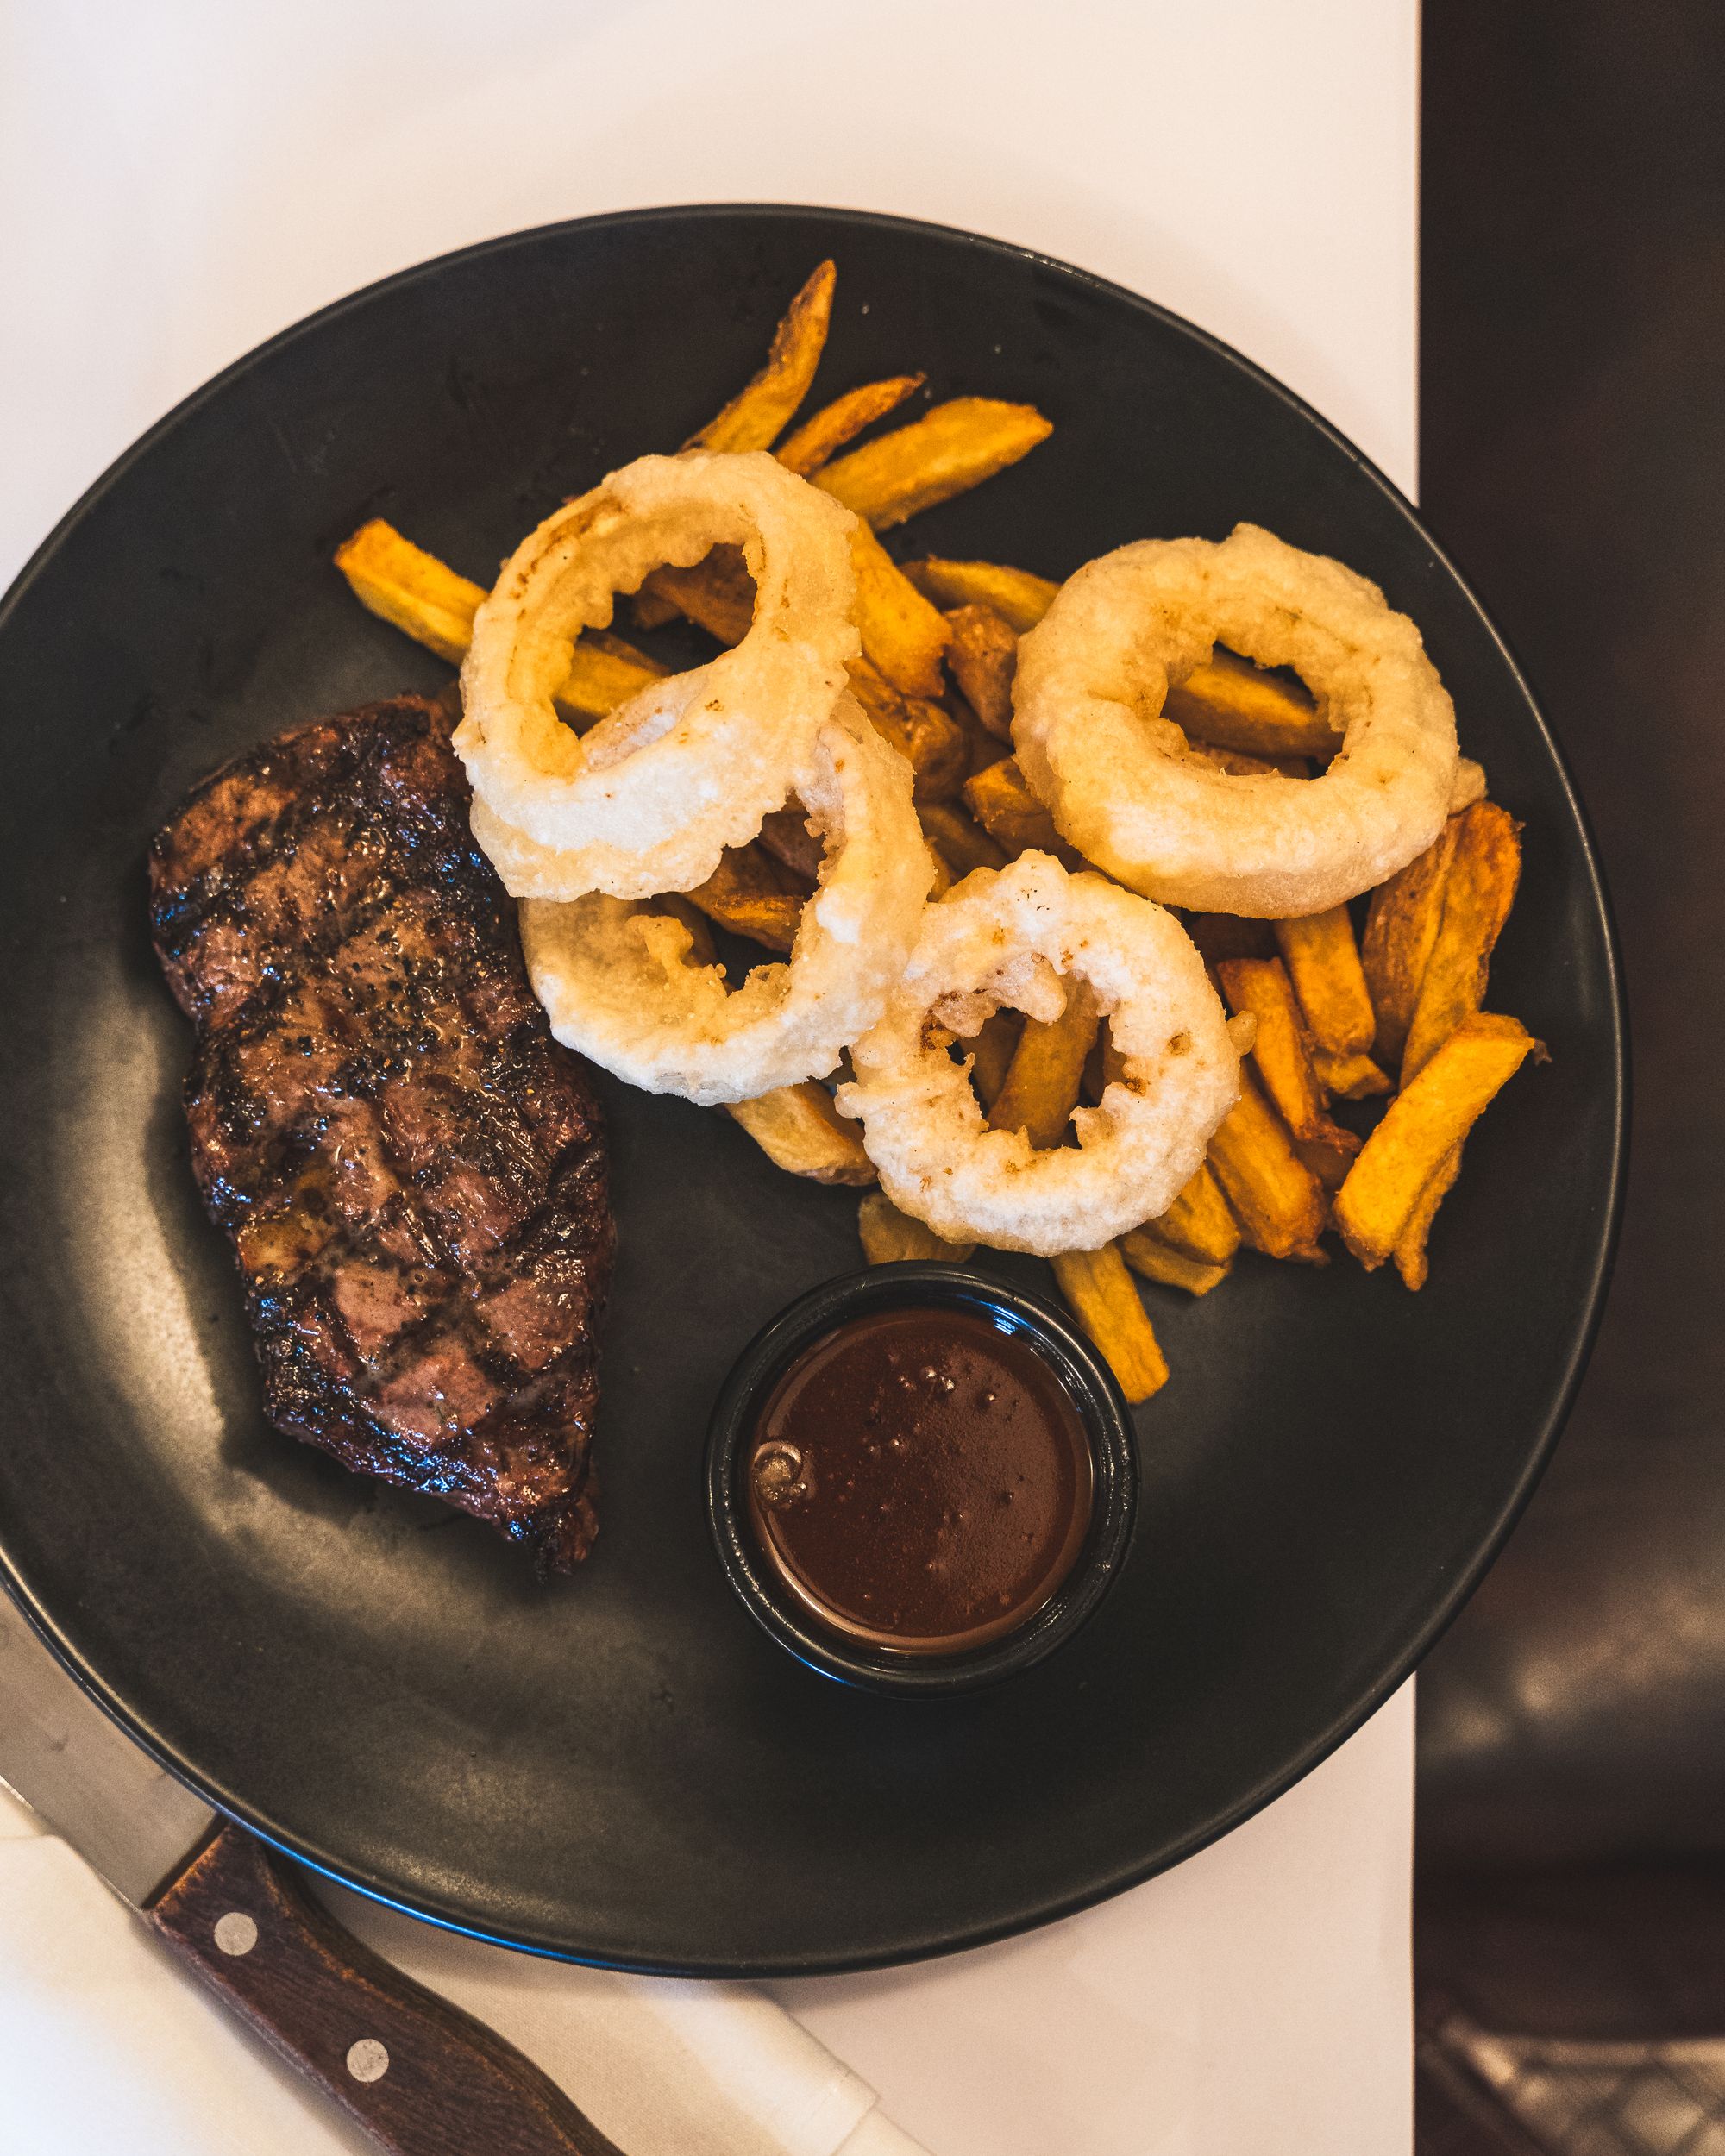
column 1002, row 937
column 619, row 984
column 649, row 799
column 1092, row 678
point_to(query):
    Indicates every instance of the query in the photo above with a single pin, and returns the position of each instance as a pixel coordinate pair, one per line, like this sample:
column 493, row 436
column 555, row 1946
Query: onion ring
column 1092, row 678
column 1004, row 936
column 620, row 985
column 650, row 798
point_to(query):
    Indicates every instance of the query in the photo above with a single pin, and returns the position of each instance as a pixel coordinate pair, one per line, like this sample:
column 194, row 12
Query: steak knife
column 423, row 2078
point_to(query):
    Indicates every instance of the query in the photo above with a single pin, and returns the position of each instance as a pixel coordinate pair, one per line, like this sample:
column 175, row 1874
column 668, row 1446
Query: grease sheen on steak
column 411, row 1171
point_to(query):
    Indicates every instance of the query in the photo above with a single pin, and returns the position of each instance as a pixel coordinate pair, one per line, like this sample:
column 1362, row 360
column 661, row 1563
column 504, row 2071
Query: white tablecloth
column 178, row 181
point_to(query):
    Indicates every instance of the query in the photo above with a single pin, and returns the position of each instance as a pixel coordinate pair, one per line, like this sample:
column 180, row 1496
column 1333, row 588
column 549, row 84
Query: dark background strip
column 1571, row 1819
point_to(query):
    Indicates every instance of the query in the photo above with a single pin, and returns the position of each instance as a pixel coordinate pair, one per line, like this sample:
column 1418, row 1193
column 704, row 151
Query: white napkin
column 105, row 2042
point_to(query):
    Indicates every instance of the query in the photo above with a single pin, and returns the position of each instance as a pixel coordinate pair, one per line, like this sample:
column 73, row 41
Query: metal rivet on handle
column 236, row 1932
column 368, row 2060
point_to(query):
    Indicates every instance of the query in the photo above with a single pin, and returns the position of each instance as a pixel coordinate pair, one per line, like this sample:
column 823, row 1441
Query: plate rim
column 1467, row 1578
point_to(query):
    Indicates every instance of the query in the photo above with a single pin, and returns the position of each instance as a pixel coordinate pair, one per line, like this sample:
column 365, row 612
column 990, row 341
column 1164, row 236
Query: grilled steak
column 413, row 1172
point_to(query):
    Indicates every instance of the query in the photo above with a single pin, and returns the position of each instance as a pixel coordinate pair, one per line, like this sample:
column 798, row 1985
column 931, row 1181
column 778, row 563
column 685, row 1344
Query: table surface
column 179, row 183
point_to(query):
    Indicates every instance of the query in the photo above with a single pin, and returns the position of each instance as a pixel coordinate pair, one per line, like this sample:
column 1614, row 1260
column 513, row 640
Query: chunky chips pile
column 1380, row 1019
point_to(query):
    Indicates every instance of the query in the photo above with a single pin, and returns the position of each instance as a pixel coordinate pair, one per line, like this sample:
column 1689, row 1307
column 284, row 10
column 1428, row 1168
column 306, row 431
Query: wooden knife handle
column 422, row 2077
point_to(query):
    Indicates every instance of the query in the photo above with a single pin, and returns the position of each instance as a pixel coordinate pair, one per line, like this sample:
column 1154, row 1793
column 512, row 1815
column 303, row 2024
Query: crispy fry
column 1329, row 1158
column 1323, row 963
column 757, row 415
column 1422, row 1126
column 959, row 838
column 1478, row 893
column 1199, row 1222
column 651, row 609
column 1013, row 817
column 1041, row 1088
column 1400, row 928
column 744, row 895
column 1261, row 987
column 1410, row 1244
column 417, row 593
column 925, row 733
column 946, row 452
column 1278, row 1201
column 1103, row 1300
column 1349, row 1077
column 410, row 588
column 786, row 835
column 798, row 1128
column 1235, row 704
column 1014, row 594
column 891, row 1238
column 834, row 424
column 1153, row 1259
column 982, row 656
column 984, row 748
column 902, row 634
column 991, row 1052
column 717, row 594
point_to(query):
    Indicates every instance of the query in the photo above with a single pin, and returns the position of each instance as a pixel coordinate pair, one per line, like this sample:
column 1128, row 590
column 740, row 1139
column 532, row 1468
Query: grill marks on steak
column 411, row 1171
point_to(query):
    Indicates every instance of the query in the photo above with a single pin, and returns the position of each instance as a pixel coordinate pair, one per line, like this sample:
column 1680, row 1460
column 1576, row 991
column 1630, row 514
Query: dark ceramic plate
column 621, row 1767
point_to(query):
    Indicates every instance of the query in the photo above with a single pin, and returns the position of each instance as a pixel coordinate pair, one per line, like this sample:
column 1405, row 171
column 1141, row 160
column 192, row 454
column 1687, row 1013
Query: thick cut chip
column 841, row 421
column 925, row 733
column 1013, row 817
column 902, row 634
column 417, row 593
column 982, row 654
column 1153, row 1259
column 1422, row 1126
column 946, row 452
column 991, row 1052
column 1278, row 1201
column 1238, row 705
column 1199, row 1222
column 792, row 842
column 1323, row 963
column 1478, row 893
column 1260, row 987
column 798, row 1128
column 759, row 415
column 1015, row 594
column 1401, row 927
column 1349, row 1077
column 959, row 839
column 1410, row 1245
column 891, row 1238
column 717, row 594
column 744, row 895
column 1042, row 1082
column 1099, row 1290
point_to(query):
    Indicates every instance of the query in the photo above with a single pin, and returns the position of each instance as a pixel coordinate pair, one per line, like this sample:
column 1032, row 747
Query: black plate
column 622, row 1767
